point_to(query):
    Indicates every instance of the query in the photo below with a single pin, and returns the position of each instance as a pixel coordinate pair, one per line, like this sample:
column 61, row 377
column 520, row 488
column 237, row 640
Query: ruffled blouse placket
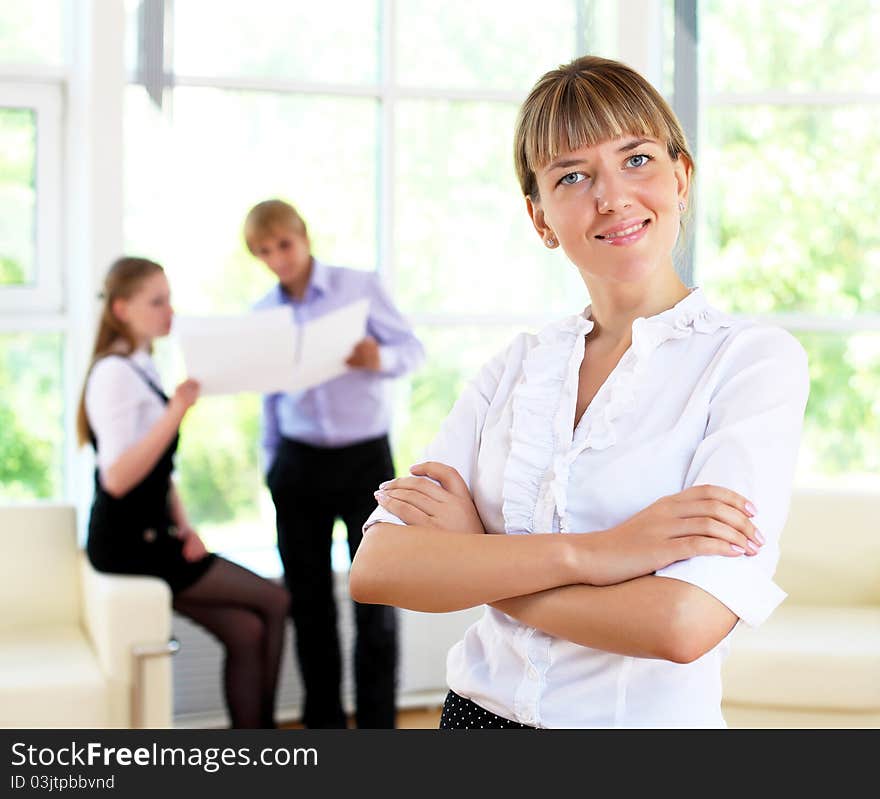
column 536, row 475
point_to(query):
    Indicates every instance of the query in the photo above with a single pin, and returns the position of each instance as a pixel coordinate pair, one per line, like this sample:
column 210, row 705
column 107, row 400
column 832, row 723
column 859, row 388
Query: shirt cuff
column 748, row 592
column 381, row 515
column 388, row 359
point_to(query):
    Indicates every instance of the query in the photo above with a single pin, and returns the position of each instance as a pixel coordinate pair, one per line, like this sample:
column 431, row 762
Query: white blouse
column 120, row 406
column 699, row 398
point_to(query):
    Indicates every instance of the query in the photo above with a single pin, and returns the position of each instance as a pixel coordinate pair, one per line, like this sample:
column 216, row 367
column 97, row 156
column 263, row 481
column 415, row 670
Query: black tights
column 247, row 614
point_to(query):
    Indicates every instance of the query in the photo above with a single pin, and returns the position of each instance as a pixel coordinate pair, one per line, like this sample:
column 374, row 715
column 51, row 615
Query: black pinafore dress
column 135, row 533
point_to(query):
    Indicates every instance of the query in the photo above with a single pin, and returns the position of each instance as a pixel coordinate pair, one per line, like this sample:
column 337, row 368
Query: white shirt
column 699, row 398
column 120, row 406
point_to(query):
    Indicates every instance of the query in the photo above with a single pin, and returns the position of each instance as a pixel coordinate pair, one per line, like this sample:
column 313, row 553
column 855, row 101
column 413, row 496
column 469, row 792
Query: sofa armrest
column 126, row 616
column 121, row 612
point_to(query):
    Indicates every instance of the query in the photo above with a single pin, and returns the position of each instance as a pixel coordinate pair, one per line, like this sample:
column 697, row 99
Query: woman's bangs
column 571, row 121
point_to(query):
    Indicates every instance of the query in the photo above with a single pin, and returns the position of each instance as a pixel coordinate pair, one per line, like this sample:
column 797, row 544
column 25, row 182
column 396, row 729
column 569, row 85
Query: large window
column 389, row 125
column 33, row 316
column 790, row 129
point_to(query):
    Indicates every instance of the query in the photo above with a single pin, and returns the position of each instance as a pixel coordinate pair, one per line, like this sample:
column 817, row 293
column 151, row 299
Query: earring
column 550, row 242
column 681, row 205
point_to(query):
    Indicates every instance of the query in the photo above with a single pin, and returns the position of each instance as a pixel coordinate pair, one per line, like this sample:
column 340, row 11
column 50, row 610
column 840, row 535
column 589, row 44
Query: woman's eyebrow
column 635, row 143
column 565, row 163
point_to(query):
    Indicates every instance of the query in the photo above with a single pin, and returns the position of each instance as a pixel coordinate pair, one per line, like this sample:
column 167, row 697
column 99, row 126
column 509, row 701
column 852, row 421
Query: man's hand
column 365, row 355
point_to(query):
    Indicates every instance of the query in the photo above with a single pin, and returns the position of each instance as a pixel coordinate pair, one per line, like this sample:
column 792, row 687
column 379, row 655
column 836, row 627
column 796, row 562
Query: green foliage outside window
column 17, row 195
column 30, row 416
column 787, row 199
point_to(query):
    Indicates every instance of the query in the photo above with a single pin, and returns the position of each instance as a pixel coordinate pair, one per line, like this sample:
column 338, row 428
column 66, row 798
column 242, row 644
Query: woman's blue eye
column 637, row 160
column 571, row 178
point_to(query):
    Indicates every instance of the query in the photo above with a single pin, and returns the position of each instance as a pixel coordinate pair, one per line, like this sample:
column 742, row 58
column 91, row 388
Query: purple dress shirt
column 353, row 407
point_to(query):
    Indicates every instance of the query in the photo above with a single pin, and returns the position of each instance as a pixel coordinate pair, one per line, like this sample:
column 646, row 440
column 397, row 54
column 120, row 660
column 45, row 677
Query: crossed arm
column 593, row 589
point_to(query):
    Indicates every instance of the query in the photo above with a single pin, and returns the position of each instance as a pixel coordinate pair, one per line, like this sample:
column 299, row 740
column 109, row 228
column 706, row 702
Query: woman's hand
column 193, row 546
column 701, row 520
column 416, row 500
column 185, row 396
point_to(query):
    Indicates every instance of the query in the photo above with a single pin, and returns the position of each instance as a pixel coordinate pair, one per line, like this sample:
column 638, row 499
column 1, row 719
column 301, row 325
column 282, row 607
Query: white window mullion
column 387, row 111
column 640, row 37
column 790, row 98
column 93, row 199
column 34, row 323
column 814, row 323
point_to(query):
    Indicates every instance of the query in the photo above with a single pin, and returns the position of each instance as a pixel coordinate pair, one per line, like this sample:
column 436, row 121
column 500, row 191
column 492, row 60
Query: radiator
column 424, row 640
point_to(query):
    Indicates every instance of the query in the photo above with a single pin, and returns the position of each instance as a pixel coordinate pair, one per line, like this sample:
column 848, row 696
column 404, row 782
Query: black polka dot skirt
column 462, row 714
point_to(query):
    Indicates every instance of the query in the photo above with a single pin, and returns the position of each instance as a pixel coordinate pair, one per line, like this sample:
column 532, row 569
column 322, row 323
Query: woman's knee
column 280, row 601
column 246, row 634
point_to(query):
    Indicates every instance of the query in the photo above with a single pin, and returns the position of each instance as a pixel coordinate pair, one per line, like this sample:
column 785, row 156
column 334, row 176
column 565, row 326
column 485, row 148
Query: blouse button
column 149, row 535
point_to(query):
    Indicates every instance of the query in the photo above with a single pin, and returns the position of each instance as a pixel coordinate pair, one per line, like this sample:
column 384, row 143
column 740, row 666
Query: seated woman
column 600, row 485
column 138, row 524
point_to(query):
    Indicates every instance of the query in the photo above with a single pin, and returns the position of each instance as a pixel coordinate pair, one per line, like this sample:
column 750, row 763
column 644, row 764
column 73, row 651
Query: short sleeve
column 751, row 446
column 457, row 441
column 111, row 407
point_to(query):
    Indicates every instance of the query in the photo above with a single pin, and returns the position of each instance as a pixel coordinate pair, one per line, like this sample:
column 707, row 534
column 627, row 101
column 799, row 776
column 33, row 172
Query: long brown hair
column 124, row 278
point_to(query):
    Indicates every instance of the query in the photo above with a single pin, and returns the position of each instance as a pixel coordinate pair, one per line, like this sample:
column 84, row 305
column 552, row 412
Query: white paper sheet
column 265, row 351
column 326, row 342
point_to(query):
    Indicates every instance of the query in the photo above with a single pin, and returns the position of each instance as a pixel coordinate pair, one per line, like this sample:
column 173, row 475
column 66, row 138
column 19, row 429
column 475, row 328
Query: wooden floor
column 409, row 719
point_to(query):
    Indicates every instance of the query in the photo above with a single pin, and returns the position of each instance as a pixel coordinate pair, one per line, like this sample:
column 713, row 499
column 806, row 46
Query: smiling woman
column 624, row 191
column 612, row 488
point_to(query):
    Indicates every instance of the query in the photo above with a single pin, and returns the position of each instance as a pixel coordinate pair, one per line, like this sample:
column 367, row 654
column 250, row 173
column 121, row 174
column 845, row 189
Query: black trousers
column 312, row 487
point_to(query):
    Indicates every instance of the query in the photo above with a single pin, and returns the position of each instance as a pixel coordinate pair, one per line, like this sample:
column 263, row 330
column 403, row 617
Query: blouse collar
column 542, row 445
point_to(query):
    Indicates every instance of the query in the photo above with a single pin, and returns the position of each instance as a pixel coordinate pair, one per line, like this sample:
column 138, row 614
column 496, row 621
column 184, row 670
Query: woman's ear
column 119, row 309
column 536, row 214
column 683, row 172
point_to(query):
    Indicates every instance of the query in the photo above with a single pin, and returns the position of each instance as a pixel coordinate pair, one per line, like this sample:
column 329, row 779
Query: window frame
column 610, row 26
column 701, row 101
column 45, row 295
column 804, row 322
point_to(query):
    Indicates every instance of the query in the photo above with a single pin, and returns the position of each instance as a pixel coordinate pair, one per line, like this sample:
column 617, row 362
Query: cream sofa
column 78, row 649
column 816, row 661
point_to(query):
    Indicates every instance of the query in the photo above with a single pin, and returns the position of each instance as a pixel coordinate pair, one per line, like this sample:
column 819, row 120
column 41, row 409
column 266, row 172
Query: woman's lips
column 627, row 235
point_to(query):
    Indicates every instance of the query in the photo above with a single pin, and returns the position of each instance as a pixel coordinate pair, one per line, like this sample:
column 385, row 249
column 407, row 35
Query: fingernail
column 379, row 495
column 751, row 509
column 735, row 548
column 760, row 538
column 385, row 484
column 752, row 547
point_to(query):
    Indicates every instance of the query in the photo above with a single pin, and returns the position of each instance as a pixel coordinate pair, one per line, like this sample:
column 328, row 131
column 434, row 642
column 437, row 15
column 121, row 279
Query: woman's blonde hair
column 270, row 217
column 583, row 103
column 125, row 277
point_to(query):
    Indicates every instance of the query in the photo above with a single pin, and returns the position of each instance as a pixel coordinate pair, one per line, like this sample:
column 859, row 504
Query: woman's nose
column 611, row 193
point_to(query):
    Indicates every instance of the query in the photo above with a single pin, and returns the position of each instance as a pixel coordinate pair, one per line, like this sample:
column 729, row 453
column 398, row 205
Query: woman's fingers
column 729, row 515
column 712, row 528
column 447, row 476
column 692, row 545
column 407, row 513
column 426, row 487
column 417, row 499
column 718, row 493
